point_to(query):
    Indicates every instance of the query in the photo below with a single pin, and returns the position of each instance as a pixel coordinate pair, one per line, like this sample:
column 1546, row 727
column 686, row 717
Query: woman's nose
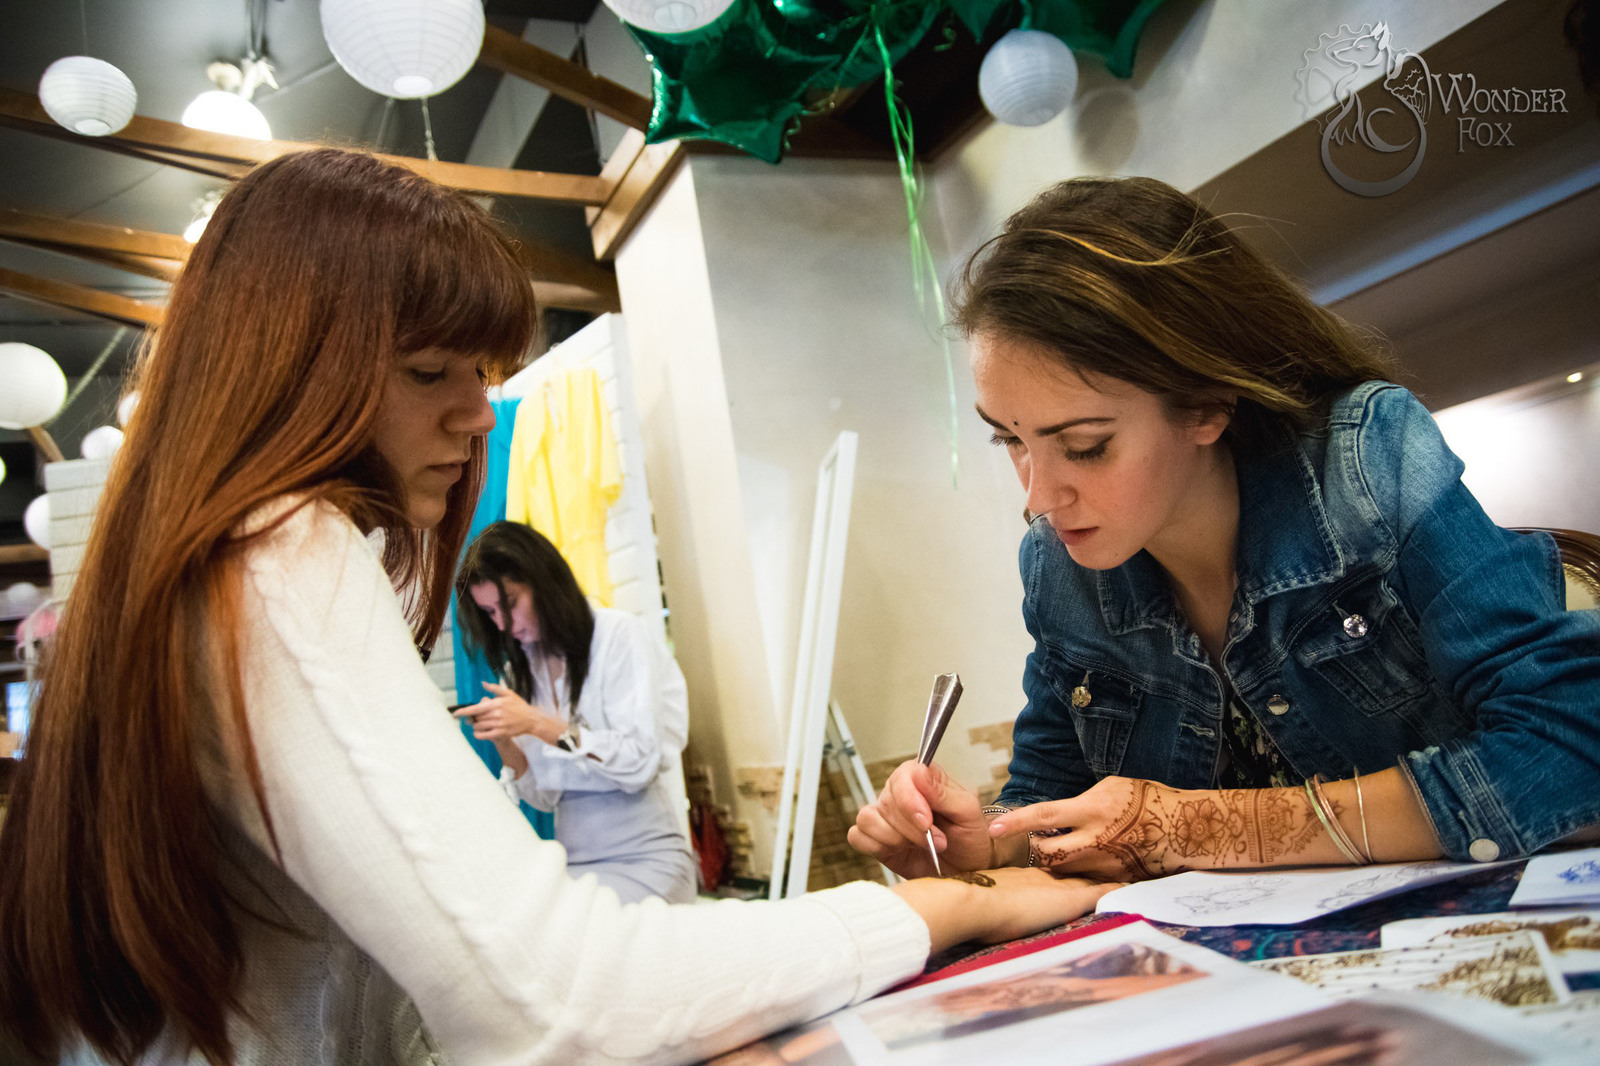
column 471, row 414
column 1048, row 487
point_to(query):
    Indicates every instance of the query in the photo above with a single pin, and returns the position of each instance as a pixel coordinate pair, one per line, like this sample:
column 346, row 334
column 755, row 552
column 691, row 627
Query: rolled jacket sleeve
column 1490, row 609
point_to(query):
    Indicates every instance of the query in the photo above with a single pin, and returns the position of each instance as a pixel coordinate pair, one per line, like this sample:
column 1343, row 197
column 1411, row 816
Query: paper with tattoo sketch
column 1126, row 991
column 1561, row 879
column 1272, row 897
column 1573, row 937
column 1513, row 969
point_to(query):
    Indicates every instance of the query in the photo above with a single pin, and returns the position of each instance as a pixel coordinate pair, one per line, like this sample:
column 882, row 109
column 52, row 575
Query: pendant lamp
column 36, row 520
column 32, row 386
column 1028, row 78
column 669, row 16
column 87, row 95
column 100, row 442
column 404, row 48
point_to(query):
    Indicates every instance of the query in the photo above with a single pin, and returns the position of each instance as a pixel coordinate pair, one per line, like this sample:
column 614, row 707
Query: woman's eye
column 1005, row 441
column 1094, row 451
column 426, row 377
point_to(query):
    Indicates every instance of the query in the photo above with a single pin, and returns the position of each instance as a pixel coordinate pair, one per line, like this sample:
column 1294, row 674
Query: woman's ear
column 1213, row 418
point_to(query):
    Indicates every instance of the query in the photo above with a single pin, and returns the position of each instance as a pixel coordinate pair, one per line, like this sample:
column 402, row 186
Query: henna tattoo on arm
column 1161, row 830
column 972, row 877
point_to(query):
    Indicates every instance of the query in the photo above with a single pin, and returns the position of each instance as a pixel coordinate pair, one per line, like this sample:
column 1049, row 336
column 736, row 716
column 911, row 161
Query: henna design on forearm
column 972, row 878
column 1161, row 830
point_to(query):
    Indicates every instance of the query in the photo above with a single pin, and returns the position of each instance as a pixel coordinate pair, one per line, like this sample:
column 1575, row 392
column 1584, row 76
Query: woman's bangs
column 466, row 293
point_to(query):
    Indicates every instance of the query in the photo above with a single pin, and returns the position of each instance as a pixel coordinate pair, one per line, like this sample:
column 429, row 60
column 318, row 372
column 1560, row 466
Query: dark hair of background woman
column 507, row 551
column 265, row 378
column 1131, row 279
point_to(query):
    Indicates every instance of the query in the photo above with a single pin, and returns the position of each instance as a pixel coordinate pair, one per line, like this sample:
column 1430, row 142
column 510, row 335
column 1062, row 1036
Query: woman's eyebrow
column 1048, row 430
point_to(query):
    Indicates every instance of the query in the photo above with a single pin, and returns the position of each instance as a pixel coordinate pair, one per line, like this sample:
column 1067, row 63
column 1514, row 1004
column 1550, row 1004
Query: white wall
column 1533, row 453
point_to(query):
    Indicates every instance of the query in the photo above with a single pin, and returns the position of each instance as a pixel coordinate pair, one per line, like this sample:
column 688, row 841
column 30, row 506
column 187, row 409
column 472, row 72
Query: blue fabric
column 471, row 670
column 1468, row 670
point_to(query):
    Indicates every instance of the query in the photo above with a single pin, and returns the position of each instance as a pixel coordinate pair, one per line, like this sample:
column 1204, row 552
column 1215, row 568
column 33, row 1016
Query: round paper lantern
column 23, row 597
column 125, row 408
column 404, row 48
column 36, row 520
column 2, row 471
column 669, row 16
column 228, row 113
column 32, row 386
column 100, row 442
column 87, row 95
column 1028, row 78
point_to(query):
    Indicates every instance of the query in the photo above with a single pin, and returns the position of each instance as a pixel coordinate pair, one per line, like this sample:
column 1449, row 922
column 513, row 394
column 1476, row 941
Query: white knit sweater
column 433, row 925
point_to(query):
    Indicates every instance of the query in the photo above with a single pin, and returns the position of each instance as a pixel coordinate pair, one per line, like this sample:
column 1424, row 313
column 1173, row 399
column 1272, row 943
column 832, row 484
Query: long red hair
column 265, row 378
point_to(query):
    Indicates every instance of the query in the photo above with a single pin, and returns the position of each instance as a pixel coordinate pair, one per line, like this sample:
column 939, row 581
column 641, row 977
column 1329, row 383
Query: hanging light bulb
column 36, row 520
column 100, row 443
column 669, row 16
column 1028, row 78
column 32, row 386
column 404, row 48
column 204, row 208
column 227, row 108
column 87, row 95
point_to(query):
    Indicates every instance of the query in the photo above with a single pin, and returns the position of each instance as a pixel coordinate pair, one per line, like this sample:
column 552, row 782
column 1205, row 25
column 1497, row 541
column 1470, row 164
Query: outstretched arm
column 1129, row 829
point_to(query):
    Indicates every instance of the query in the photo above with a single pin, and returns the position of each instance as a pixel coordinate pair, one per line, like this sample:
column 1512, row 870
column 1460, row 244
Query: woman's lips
column 1071, row 537
column 448, row 470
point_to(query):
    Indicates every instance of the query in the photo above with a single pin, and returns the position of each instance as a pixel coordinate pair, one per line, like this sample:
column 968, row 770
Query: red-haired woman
column 245, row 827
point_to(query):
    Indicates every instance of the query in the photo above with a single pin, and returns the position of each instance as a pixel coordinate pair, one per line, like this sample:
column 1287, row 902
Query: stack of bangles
column 1330, row 821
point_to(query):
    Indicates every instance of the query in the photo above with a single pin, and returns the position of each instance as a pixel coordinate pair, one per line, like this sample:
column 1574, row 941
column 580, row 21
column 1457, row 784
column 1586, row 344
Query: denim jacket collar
column 1285, row 542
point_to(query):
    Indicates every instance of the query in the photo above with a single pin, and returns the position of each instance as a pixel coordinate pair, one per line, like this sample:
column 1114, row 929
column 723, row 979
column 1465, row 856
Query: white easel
column 813, row 676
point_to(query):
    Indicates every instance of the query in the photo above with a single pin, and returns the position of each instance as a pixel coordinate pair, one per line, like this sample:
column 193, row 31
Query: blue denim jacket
column 1468, row 671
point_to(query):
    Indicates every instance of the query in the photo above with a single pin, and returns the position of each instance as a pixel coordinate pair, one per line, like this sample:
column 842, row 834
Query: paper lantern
column 100, row 442
column 229, row 113
column 1028, row 78
column 36, row 520
column 404, row 48
column 669, row 16
column 87, row 95
column 32, row 386
column 125, row 407
column 23, row 597
column 2, row 471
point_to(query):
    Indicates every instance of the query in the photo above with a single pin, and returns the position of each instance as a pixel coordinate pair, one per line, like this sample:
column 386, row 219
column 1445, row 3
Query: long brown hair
column 264, row 379
column 1134, row 280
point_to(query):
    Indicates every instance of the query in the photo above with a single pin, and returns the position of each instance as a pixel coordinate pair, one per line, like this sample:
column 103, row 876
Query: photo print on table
column 1103, row 976
column 1570, row 878
column 1573, row 936
column 1355, row 1033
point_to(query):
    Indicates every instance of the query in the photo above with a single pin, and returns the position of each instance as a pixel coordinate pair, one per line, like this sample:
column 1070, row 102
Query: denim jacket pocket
column 1369, row 650
column 1105, row 723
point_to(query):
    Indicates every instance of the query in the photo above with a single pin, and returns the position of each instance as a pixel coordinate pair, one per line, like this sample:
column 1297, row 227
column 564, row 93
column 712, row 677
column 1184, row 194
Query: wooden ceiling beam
column 44, row 229
column 81, row 298
column 510, row 54
column 639, row 172
column 204, row 149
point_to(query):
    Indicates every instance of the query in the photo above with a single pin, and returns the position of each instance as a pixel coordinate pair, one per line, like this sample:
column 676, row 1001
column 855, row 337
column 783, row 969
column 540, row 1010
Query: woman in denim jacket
column 1271, row 625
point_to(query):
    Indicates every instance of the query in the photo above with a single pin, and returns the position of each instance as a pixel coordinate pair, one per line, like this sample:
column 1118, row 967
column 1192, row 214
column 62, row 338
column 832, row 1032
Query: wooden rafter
column 637, row 172
column 511, row 54
column 71, row 232
column 209, row 152
column 89, row 301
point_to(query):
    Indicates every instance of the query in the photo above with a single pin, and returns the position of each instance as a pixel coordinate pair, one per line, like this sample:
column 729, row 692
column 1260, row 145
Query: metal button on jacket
column 1355, row 626
column 1278, row 705
column 1484, row 850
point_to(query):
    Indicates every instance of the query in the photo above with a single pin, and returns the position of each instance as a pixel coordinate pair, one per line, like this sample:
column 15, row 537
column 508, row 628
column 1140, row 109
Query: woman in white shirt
column 595, row 714
column 244, row 832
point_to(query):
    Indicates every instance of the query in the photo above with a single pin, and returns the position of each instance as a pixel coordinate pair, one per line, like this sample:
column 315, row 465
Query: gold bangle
column 1330, row 822
column 1361, row 805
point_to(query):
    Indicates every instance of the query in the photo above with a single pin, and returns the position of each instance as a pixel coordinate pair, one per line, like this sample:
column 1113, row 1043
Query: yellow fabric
column 564, row 473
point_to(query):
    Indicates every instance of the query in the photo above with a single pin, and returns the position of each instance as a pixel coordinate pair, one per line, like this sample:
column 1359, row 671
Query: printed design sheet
column 1573, row 937
column 1125, row 991
column 1513, row 969
column 1277, row 897
column 1564, row 879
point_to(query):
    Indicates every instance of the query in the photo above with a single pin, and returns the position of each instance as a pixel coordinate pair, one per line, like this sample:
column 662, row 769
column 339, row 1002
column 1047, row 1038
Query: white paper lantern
column 669, row 16
column 228, row 113
column 404, row 48
column 100, row 442
column 1028, row 78
column 32, row 386
column 125, row 408
column 23, row 597
column 2, row 471
column 36, row 520
column 87, row 95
